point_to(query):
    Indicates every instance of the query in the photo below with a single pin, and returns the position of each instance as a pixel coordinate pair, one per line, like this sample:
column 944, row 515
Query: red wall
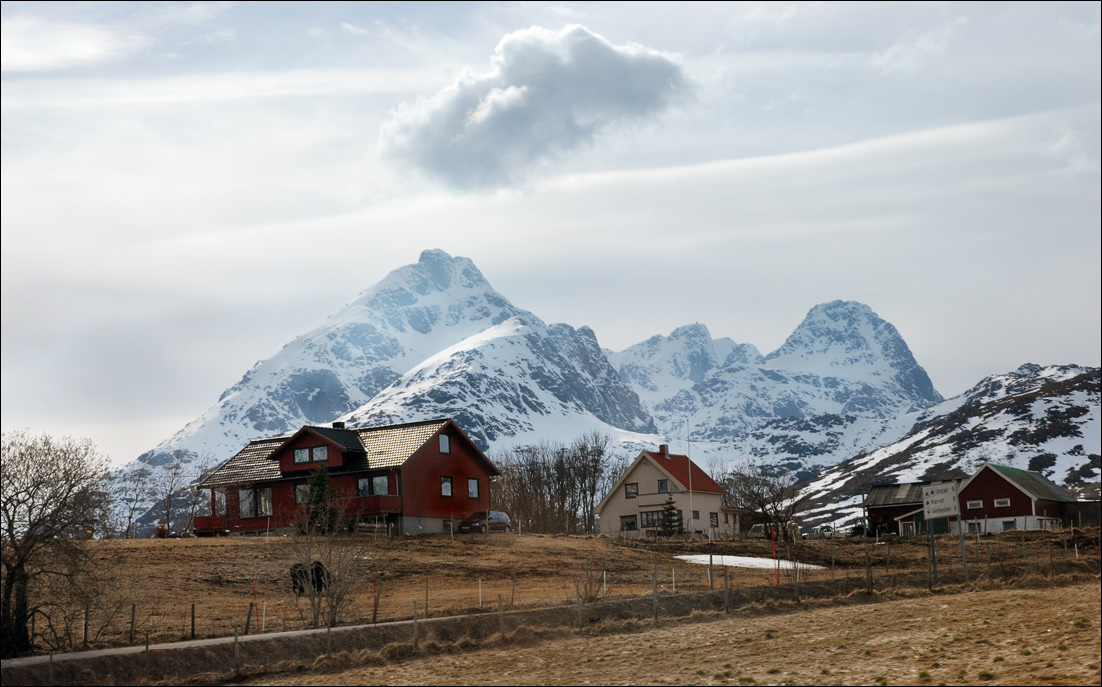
column 989, row 485
column 421, row 479
column 286, row 455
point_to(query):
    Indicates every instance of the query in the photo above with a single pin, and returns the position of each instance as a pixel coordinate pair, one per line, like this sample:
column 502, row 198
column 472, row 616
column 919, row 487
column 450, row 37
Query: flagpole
column 688, row 457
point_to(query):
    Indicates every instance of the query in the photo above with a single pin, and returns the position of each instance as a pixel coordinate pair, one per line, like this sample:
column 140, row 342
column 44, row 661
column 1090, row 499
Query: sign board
column 940, row 500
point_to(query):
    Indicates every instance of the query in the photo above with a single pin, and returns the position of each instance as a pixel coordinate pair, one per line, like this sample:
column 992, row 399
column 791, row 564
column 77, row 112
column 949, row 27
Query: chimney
column 664, row 449
column 338, row 425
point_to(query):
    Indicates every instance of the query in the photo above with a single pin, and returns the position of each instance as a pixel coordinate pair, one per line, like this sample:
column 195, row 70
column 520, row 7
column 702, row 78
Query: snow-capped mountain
column 1036, row 418
column 412, row 314
column 831, row 391
column 434, row 339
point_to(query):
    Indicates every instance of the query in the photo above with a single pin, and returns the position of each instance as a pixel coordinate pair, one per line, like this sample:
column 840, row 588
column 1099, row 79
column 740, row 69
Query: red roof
column 678, row 467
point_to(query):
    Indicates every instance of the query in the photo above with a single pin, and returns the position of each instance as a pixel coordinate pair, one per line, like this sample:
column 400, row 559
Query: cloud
column 30, row 44
column 909, row 52
column 548, row 93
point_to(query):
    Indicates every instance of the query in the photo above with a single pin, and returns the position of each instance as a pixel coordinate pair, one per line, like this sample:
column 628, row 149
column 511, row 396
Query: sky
column 186, row 187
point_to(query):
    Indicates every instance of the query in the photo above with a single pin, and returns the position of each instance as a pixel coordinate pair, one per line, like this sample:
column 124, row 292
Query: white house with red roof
column 633, row 508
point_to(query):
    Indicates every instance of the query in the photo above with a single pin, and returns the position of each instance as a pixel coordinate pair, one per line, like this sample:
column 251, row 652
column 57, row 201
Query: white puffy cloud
column 549, row 92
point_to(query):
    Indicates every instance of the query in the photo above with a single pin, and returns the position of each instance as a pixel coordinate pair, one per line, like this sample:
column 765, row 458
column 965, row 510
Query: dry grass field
column 1007, row 637
column 1030, row 615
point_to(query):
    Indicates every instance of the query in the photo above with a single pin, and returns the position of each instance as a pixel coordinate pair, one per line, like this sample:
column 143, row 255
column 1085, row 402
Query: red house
column 412, row 478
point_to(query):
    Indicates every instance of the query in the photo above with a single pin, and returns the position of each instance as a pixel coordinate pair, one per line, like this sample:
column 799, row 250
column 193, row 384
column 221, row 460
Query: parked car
column 763, row 531
column 822, row 532
column 482, row 521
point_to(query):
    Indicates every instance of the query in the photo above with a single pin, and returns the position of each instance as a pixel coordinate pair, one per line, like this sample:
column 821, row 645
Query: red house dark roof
column 381, row 447
column 678, row 466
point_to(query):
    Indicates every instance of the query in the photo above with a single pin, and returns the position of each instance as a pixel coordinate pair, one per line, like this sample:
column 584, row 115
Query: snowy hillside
column 1037, row 418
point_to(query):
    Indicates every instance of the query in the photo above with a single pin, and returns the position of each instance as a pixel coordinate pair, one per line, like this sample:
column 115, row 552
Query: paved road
column 169, row 646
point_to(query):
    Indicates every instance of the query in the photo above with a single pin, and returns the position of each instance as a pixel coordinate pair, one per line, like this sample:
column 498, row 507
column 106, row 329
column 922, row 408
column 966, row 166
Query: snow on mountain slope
column 832, row 390
column 413, row 313
column 1037, row 418
column 519, row 379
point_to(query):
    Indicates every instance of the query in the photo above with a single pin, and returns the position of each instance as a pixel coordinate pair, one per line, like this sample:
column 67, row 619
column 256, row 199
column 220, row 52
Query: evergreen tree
column 320, row 511
column 671, row 520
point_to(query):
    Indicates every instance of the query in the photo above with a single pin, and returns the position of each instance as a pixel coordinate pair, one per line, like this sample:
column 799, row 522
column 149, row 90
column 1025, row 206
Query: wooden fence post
column 249, row 617
column 193, row 621
column 133, row 620
column 416, row 638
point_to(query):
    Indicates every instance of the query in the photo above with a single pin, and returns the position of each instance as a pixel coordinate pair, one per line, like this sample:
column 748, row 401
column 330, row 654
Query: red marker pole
column 776, row 568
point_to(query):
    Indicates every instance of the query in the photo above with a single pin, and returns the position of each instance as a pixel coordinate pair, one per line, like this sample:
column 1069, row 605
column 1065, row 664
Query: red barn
column 412, row 478
column 998, row 498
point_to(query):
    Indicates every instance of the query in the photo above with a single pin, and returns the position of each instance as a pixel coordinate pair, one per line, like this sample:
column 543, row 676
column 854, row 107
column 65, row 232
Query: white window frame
column 446, row 490
column 975, row 505
column 1002, row 503
column 472, row 487
column 302, row 455
column 445, row 443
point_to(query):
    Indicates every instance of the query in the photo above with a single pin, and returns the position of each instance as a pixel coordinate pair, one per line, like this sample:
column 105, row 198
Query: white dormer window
column 445, row 444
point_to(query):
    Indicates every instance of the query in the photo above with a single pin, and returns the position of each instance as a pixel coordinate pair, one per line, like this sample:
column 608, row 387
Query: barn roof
column 1033, row 483
column 381, row 447
column 881, row 495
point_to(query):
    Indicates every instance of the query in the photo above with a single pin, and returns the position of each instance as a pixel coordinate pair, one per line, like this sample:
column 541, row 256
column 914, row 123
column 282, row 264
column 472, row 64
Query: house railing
column 366, row 505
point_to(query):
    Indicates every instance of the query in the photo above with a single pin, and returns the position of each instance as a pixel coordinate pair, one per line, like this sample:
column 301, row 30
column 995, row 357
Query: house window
column 1002, row 503
column 663, row 486
column 629, row 522
column 696, row 515
column 302, row 494
column 1010, row 525
column 254, row 503
column 264, row 502
column 316, row 454
column 446, row 486
column 713, row 519
column 445, row 444
column 975, row 505
column 651, row 518
column 472, row 487
column 219, row 502
column 973, row 527
column 631, row 490
column 246, row 503
column 372, row 486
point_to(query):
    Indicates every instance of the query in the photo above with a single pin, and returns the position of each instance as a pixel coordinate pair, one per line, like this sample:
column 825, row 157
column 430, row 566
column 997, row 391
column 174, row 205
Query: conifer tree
column 671, row 521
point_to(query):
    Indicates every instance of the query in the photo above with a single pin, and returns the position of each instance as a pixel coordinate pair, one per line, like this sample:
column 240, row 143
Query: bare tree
column 194, row 502
column 133, row 493
column 52, row 500
column 331, row 562
column 555, row 488
column 770, row 490
column 167, row 484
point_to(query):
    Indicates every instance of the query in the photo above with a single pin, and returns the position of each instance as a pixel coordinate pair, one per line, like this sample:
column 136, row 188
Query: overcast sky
column 186, row 187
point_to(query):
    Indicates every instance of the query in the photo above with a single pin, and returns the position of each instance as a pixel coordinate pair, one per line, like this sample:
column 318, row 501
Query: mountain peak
column 849, row 336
